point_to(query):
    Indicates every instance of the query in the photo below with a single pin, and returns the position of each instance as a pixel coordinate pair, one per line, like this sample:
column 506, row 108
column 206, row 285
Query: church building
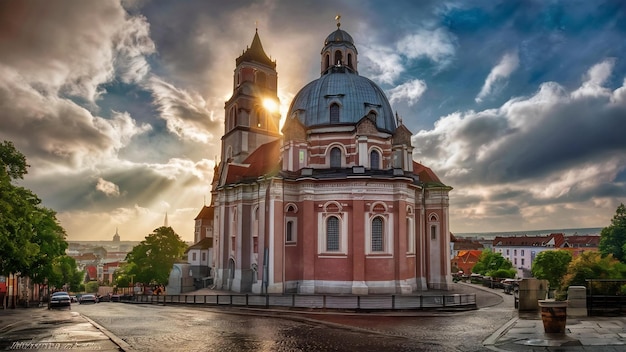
column 331, row 203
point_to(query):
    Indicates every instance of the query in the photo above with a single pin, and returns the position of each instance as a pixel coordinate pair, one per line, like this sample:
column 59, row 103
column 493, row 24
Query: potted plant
column 554, row 314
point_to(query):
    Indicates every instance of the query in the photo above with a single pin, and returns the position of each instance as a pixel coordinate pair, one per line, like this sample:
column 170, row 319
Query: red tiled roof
column 586, row 240
column 538, row 241
column 469, row 256
column 425, row 173
column 205, row 213
column 263, row 161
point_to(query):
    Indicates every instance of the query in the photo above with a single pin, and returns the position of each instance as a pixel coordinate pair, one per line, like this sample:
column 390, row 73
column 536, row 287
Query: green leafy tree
column 592, row 265
column 92, row 287
column 30, row 235
column 493, row 264
column 151, row 260
column 613, row 237
column 65, row 272
column 551, row 266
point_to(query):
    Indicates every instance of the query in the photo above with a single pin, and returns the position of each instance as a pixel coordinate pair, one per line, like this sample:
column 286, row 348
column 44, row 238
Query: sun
column 270, row 105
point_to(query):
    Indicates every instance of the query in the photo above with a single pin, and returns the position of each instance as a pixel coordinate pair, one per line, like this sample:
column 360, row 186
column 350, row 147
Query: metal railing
column 298, row 301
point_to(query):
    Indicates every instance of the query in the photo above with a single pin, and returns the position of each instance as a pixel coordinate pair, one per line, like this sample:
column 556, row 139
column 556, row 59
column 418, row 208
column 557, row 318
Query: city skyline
column 119, row 106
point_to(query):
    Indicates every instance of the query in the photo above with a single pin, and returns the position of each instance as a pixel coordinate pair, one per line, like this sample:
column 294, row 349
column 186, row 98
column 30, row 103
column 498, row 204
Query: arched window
column 260, row 118
column 332, row 234
column 374, row 160
column 334, row 113
column 335, row 157
column 350, row 61
column 338, row 58
column 326, row 62
column 377, row 234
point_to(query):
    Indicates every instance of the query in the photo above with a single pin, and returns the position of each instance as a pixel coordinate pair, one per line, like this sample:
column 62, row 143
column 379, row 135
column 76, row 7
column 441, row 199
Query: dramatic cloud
column 108, row 188
column 410, row 91
column 437, row 45
column 500, row 72
column 185, row 112
column 543, row 148
column 119, row 105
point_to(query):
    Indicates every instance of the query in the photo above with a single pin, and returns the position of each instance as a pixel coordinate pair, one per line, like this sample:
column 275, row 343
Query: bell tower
column 251, row 114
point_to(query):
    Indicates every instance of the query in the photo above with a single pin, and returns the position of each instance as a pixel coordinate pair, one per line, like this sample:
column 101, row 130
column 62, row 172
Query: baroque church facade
column 332, row 202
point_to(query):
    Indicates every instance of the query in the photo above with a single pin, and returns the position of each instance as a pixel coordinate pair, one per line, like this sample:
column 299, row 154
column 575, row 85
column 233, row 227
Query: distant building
column 116, row 237
column 334, row 204
column 466, row 259
column 199, row 257
column 522, row 250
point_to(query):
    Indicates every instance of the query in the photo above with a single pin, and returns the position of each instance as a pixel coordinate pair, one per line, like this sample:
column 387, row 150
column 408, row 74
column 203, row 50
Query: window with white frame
column 410, row 235
column 335, row 157
column 374, row 160
column 332, row 234
column 291, row 224
column 377, row 235
column 433, row 232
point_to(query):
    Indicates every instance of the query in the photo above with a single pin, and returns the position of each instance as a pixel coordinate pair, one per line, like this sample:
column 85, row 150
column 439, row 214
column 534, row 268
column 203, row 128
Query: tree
column 12, row 161
column 493, row 264
column 65, row 272
column 551, row 266
column 592, row 265
column 613, row 237
column 151, row 260
column 30, row 235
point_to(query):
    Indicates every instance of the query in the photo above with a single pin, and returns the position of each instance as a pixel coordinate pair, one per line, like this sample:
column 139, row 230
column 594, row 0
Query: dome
column 355, row 95
column 339, row 36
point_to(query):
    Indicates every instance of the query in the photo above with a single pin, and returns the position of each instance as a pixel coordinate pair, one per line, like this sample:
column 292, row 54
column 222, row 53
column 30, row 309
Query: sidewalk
column 525, row 333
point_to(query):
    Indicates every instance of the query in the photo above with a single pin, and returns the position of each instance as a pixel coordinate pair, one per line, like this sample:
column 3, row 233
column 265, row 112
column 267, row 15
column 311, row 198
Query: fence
column 606, row 297
column 297, row 301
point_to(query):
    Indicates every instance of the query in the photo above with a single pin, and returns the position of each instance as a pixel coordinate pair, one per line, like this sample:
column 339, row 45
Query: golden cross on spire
column 337, row 18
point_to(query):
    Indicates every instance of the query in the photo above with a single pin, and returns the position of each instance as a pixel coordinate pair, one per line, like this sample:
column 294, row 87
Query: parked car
column 510, row 285
column 88, row 298
column 60, row 299
column 116, row 298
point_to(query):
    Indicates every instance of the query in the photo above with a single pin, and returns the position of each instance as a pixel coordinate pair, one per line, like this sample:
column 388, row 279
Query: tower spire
column 165, row 223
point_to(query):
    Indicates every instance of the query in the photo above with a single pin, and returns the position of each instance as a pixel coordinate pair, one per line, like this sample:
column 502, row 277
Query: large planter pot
column 553, row 315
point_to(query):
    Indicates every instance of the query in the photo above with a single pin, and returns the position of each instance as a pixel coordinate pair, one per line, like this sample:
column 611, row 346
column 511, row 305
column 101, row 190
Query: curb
column 116, row 340
column 490, row 341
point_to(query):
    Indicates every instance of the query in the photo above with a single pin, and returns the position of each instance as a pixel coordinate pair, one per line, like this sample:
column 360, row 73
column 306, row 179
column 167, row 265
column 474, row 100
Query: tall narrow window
column 335, row 157
column 332, row 234
column 374, row 160
column 334, row 113
column 377, row 234
column 338, row 58
column 327, row 62
column 289, row 231
column 433, row 232
column 350, row 60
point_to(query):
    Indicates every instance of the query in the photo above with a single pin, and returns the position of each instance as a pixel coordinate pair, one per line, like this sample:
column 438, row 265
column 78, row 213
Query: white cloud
column 110, row 189
column 185, row 112
column 507, row 65
column 594, row 79
column 410, row 91
column 437, row 45
column 382, row 64
column 528, row 158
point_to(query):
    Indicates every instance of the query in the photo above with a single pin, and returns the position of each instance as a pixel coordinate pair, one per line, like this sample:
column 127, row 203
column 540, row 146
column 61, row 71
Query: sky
column 118, row 106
